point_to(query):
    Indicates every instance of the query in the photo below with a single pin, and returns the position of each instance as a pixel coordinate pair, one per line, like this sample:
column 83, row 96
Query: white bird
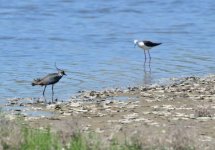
column 146, row 46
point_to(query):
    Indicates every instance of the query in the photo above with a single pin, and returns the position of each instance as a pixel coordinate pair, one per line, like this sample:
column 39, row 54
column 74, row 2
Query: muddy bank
column 153, row 112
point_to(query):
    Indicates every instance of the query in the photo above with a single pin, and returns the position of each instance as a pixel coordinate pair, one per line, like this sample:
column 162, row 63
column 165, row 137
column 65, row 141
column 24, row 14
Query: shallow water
column 93, row 42
column 26, row 111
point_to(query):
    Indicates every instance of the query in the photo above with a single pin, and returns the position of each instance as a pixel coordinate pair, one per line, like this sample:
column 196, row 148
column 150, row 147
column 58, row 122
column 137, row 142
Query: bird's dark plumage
column 50, row 79
column 151, row 44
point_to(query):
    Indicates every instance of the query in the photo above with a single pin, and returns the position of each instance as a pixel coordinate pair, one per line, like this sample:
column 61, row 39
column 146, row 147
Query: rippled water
column 93, row 42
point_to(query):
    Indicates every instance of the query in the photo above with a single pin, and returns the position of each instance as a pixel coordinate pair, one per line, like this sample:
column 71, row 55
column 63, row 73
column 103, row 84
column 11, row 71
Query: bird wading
column 50, row 79
column 146, row 46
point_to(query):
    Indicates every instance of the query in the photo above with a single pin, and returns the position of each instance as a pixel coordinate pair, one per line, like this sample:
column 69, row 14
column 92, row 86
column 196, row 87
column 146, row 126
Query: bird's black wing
column 151, row 44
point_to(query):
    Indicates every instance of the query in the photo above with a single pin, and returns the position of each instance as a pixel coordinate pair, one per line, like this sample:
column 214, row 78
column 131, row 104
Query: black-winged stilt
column 146, row 46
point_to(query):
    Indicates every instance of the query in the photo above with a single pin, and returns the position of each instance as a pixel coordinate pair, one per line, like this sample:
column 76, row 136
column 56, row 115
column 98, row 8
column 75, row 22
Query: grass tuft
column 39, row 139
column 78, row 142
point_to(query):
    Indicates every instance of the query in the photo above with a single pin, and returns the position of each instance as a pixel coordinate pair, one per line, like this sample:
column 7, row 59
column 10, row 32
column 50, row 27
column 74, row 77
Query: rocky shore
column 160, row 113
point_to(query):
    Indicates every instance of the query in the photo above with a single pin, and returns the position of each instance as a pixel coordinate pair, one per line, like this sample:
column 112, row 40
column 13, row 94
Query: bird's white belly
column 144, row 47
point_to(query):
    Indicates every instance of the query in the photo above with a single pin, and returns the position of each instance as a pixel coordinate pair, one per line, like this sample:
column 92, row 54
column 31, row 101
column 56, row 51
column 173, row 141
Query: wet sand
column 158, row 113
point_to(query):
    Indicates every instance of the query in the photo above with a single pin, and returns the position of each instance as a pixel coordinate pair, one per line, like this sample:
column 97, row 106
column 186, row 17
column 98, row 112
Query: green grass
column 44, row 139
column 133, row 145
column 39, row 139
column 77, row 142
column 17, row 135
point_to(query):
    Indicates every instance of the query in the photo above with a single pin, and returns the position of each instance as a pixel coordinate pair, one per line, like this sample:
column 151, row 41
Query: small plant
column 10, row 134
column 181, row 139
column 37, row 139
column 133, row 144
column 78, row 142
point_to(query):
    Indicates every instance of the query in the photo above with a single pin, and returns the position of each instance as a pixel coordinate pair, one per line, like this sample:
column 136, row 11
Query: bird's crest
column 62, row 72
column 57, row 67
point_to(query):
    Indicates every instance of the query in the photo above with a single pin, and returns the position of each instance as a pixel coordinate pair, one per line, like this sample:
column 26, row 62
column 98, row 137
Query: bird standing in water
column 146, row 46
column 50, row 79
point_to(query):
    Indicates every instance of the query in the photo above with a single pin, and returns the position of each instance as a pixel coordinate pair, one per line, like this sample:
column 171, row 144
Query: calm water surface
column 93, row 42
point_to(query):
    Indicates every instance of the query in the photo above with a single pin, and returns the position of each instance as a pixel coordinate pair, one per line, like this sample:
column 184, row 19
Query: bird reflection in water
column 147, row 79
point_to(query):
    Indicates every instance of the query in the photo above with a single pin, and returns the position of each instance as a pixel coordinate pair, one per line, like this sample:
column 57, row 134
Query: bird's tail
column 36, row 82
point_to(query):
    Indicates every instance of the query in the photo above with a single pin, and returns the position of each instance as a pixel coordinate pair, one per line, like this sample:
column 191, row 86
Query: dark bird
column 146, row 46
column 50, row 79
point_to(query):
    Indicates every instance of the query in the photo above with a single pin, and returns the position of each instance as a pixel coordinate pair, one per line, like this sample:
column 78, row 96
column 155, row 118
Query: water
column 26, row 111
column 93, row 42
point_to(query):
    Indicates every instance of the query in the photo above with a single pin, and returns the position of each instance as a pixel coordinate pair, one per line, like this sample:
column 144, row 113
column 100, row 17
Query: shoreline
column 185, row 104
column 114, row 95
